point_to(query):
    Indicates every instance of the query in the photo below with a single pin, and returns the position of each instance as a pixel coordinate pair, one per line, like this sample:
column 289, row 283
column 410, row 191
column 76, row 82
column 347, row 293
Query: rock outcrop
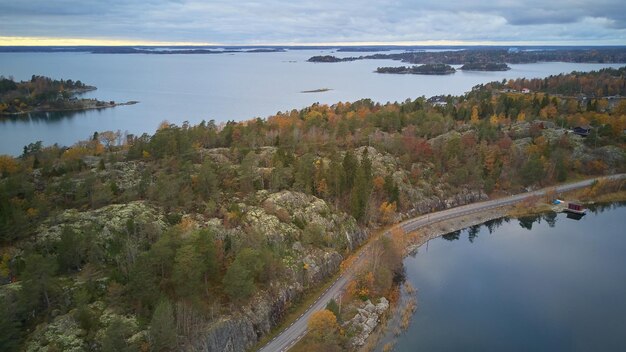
column 366, row 320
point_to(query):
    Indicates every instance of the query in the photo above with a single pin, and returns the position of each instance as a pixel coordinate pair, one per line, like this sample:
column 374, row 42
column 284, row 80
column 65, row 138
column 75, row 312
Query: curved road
column 297, row 329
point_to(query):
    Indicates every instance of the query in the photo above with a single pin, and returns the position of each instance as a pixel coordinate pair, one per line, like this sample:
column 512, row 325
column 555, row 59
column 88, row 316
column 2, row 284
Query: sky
column 319, row 22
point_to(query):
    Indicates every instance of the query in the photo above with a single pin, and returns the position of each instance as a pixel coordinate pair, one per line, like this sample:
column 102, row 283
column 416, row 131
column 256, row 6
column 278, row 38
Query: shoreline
column 435, row 230
column 86, row 108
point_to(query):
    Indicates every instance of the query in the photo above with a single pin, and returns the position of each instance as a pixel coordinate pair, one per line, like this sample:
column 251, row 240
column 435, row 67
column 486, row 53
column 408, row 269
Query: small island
column 427, row 69
column 485, row 66
column 331, row 58
column 320, row 90
column 44, row 94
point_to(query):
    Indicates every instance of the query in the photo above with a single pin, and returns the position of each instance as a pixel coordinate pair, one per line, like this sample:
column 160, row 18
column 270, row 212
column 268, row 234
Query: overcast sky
column 584, row 22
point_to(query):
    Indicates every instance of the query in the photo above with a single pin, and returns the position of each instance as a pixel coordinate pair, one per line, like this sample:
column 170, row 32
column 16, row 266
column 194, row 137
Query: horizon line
column 104, row 42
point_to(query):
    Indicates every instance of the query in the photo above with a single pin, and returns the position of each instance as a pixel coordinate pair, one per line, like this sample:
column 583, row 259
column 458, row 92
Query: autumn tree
column 323, row 326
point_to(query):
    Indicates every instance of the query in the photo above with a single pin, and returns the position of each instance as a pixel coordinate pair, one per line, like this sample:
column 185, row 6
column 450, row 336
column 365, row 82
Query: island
column 485, row 66
column 427, row 69
column 44, row 94
column 486, row 55
column 320, row 90
column 331, row 58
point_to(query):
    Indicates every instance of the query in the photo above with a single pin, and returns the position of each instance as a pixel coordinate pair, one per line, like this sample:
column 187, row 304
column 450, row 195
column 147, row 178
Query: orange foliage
column 379, row 182
column 387, row 212
column 323, row 325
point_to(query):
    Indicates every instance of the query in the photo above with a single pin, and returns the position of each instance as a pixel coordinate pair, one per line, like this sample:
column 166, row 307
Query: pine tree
column 238, row 282
column 187, row 274
column 38, row 281
column 350, row 165
column 163, row 328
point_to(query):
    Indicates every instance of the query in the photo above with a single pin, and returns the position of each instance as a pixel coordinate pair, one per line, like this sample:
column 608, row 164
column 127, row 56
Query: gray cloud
column 270, row 21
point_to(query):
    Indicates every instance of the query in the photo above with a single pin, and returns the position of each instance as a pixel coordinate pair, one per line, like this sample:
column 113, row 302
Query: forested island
column 488, row 66
column 44, row 94
column 329, row 58
column 483, row 56
column 427, row 69
column 204, row 237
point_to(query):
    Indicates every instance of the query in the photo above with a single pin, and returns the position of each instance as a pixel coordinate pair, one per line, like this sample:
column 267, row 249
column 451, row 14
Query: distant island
column 485, row 66
column 330, row 58
column 44, row 94
column 483, row 56
column 320, row 90
column 428, row 69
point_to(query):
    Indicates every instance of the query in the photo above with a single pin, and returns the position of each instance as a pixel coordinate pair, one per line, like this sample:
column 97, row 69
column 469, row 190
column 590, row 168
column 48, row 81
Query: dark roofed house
column 582, row 130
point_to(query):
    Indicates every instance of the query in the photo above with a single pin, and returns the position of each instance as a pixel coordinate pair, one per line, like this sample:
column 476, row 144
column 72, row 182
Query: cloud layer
column 321, row 21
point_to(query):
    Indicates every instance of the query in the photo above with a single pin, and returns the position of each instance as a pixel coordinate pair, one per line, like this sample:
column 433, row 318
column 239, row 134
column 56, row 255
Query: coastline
column 429, row 232
column 84, row 108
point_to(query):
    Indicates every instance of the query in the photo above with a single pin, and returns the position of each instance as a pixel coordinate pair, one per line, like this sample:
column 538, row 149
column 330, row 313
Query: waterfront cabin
column 575, row 208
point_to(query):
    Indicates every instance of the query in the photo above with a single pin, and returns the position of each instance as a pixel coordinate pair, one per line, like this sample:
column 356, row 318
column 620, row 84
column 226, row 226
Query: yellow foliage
column 8, row 165
column 164, row 125
column 145, row 154
column 387, row 212
column 323, row 325
column 75, row 153
column 493, row 120
column 521, row 117
column 187, row 224
column 32, row 212
column 474, row 118
column 5, row 259
column 98, row 148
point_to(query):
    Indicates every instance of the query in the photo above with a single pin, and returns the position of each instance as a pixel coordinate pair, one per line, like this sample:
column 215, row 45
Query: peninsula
column 44, row 94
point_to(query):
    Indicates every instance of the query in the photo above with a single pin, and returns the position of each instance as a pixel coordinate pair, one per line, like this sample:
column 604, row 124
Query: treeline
column 428, row 69
column 486, row 55
column 485, row 66
column 596, row 84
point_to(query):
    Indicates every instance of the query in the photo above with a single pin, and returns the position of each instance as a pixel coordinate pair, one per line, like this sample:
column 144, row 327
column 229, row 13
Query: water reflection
column 549, row 288
column 48, row 117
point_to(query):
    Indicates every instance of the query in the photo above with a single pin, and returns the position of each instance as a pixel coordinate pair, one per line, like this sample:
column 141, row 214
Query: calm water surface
column 553, row 285
column 222, row 87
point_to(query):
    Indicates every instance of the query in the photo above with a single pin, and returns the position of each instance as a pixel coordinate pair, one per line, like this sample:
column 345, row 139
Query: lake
column 544, row 283
column 222, row 87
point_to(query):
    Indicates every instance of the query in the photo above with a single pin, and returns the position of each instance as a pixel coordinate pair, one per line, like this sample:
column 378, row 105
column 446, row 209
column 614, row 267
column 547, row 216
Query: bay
column 222, row 87
column 545, row 283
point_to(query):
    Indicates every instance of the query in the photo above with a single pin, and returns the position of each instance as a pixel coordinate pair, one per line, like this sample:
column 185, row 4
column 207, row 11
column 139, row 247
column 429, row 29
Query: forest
column 40, row 93
column 428, row 69
column 154, row 242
